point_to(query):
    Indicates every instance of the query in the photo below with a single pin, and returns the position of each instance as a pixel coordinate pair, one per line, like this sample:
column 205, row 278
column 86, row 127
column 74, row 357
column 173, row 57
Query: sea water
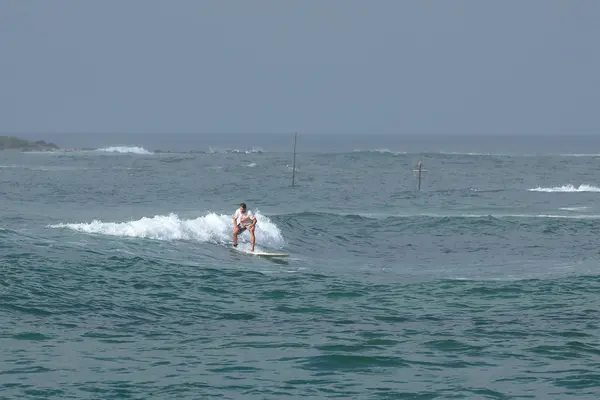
column 118, row 281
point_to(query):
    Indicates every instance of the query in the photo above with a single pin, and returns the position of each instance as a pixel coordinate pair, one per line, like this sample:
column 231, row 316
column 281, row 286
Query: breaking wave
column 210, row 228
column 567, row 189
column 125, row 149
column 252, row 150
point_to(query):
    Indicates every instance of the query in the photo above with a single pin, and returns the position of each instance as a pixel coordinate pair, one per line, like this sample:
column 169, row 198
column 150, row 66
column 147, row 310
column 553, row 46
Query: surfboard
column 260, row 253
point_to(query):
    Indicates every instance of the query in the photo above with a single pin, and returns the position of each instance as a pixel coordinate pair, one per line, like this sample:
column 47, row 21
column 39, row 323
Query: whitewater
column 211, row 228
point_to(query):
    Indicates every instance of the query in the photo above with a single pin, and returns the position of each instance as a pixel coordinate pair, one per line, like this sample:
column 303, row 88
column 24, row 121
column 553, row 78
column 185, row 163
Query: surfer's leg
column 236, row 230
column 252, row 239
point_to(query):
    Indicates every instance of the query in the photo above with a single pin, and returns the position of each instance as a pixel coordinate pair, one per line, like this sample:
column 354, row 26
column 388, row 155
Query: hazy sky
column 309, row 66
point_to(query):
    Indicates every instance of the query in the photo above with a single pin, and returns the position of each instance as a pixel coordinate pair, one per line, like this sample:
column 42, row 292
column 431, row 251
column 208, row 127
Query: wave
column 353, row 217
column 440, row 153
column 380, row 151
column 252, row 150
column 477, row 154
column 567, row 189
column 44, row 167
column 580, row 155
column 210, row 228
column 582, row 208
column 125, row 149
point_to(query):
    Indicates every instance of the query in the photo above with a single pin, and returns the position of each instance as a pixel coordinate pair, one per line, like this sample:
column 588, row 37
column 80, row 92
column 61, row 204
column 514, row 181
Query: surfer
column 242, row 220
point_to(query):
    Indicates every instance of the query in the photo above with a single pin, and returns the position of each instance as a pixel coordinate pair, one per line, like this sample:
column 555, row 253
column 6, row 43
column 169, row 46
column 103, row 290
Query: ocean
column 119, row 280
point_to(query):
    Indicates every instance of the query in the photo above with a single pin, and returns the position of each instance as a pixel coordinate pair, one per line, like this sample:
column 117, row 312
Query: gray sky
column 339, row 66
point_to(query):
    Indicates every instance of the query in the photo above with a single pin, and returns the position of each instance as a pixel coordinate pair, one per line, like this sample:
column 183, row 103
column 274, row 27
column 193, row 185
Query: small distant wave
column 558, row 216
column 125, row 149
column 45, row 168
column 580, row 155
column 252, row 150
column 350, row 217
column 567, row 189
column 582, row 208
column 210, row 228
column 380, row 151
column 441, row 152
column 476, row 154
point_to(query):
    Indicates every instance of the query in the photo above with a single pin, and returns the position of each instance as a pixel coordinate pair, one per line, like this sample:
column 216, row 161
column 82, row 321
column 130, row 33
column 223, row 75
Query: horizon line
column 299, row 133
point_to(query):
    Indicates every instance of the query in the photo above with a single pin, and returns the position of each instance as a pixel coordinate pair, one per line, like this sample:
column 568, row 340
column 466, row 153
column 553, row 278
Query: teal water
column 118, row 280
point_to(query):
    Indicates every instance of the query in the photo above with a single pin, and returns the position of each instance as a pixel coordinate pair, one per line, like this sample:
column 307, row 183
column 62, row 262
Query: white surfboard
column 260, row 253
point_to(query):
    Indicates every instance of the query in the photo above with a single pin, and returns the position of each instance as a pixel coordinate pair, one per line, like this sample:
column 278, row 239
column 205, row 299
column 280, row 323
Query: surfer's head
column 243, row 206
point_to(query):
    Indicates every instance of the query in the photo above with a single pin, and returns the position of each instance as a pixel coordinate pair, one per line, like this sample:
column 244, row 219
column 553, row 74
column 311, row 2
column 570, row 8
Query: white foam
column 582, row 208
column 210, row 228
column 475, row 216
column 567, row 189
column 569, row 216
column 458, row 153
column 381, row 151
column 252, row 150
column 125, row 149
column 580, row 155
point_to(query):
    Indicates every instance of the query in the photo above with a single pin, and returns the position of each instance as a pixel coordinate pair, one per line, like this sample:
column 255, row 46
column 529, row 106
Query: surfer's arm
column 236, row 214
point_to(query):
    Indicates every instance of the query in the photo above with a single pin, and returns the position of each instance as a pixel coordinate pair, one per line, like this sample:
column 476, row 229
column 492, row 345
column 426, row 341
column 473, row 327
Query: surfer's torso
column 243, row 219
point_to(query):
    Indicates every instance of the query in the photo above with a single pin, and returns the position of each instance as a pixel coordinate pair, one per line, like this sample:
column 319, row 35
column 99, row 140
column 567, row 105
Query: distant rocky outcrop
column 14, row 143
